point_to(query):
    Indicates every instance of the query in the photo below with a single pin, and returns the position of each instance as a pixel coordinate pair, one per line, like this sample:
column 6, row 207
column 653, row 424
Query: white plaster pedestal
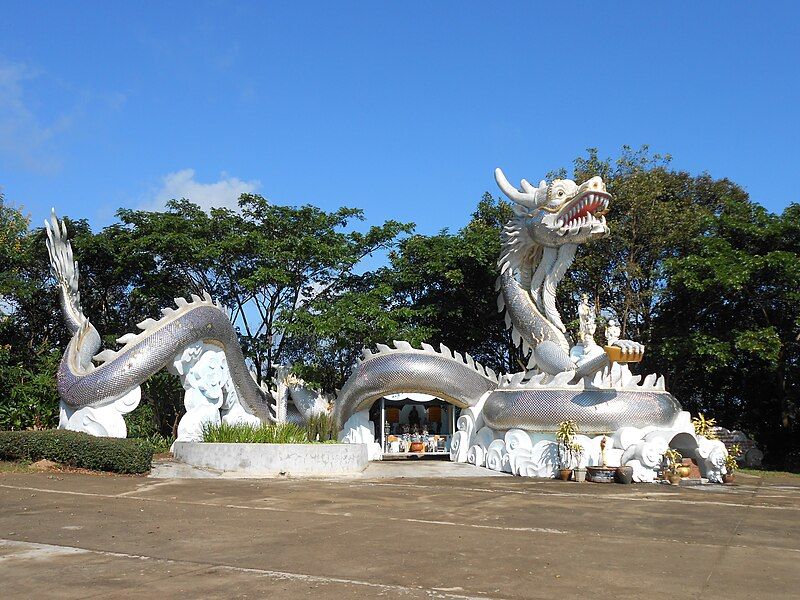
column 273, row 460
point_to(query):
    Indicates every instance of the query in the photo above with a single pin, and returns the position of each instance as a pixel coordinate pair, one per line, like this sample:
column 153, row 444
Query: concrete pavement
column 68, row 535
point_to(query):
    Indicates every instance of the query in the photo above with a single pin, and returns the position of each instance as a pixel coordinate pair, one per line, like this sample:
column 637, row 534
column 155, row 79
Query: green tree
column 326, row 339
column 27, row 360
column 708, row 280
column 449, row 282
column 730, row 322
column 266, row 263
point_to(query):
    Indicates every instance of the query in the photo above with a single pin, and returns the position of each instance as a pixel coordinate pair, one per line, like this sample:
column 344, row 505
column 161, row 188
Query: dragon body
column 87, row 378
column 539, row 245
column 458, row 380
column 506, row 422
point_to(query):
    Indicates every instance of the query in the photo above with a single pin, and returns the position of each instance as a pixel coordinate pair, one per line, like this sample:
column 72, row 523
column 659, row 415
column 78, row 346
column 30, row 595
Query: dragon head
column 561, row 212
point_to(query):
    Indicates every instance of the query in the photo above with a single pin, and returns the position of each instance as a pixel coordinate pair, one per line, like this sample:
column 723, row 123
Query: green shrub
column 28, row 398
column 76, row 449
column 321, row 427
column 161, row 443
column 284, row 433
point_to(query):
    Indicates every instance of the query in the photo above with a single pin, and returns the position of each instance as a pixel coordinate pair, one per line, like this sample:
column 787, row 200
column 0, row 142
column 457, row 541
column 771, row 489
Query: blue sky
column 403, row 109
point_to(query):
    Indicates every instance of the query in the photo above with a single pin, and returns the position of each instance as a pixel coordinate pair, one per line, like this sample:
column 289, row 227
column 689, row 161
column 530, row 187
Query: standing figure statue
column 588, row 322
column 612, row 332
column 586, row 348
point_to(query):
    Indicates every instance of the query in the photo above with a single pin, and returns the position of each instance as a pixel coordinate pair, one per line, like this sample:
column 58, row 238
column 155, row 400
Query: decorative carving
column 358, row 429
column 612, row 332
column 210, row 394
column 105, row 420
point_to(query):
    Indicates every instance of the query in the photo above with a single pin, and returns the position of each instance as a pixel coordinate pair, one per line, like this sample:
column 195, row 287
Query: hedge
column 75, row 449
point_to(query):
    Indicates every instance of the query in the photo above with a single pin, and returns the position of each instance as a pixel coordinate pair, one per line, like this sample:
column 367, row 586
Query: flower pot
column 728, row 478
column 580, row 475
column 624, row 475
column 601, row 474
column 674, row 478
column 684, row 471
column 565, row 474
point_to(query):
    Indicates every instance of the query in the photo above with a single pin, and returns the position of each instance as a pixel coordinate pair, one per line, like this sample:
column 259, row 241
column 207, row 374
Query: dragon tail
column 65, row 270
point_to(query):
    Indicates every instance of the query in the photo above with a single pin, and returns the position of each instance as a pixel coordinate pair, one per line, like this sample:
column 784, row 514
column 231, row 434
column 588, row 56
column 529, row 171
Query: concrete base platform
column 172, row 469
column 272, row 460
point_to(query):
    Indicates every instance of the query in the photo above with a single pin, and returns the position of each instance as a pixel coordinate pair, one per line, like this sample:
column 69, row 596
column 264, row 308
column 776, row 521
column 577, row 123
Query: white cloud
column 25, row 141
column 182, row 184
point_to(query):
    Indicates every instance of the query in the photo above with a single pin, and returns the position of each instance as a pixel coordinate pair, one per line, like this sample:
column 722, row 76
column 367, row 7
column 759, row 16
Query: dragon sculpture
column 97, row 388
column 501, row 416
column 539, row 245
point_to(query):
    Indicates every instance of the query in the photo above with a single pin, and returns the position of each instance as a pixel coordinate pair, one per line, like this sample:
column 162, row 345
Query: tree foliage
column 449, row 282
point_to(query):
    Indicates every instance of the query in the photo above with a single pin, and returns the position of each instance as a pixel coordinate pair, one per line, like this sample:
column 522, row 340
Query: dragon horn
column 526, row 197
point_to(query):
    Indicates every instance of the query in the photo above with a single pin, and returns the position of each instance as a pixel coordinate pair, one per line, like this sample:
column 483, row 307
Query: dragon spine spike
column 634, row 381
column 428, row 348
column 469, row 360
column 491, row 373
column 128, row 337
column 146, row 324
column 402, row 345
column 457, row 356
column 196, row 298
column 660, row 384
column 382, row 348
column 649, row 381
column 365, row 353
column 104, row 356
column 444, row 350
column 207, row 297
column 537, row 379
column 516, row 379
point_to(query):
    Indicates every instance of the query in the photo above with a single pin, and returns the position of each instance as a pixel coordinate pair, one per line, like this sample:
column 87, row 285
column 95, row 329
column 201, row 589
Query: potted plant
column 705, row 427
column 564, row 436
column 579, row 473
column 731, row 464
column 674, row 460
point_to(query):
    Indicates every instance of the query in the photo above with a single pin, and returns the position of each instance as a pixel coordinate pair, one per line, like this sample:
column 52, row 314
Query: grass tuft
column 284, row 433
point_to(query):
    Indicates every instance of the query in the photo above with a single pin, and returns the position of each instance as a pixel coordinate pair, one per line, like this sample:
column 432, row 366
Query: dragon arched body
column 445, row 374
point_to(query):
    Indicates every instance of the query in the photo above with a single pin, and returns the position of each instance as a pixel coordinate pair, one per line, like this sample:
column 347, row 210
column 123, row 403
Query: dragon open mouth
column 588, row 208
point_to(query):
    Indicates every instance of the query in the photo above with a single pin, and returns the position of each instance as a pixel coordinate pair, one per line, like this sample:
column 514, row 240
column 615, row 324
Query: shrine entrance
column 412, row 425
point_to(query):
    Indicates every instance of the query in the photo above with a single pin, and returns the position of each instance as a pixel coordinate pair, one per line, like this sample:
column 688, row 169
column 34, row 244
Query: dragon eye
column 560, row 193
